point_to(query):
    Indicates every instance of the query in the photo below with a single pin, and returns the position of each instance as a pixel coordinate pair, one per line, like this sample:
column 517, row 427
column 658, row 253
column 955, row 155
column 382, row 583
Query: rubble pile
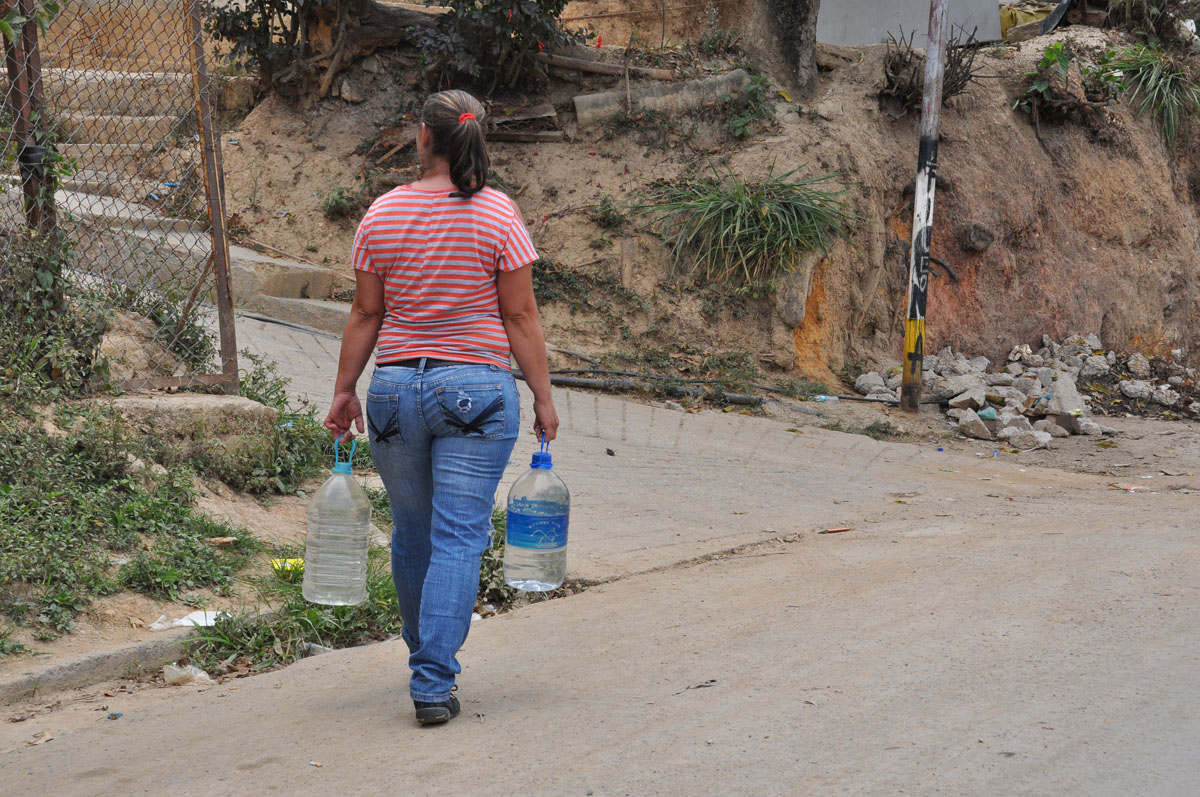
column 1035, row 397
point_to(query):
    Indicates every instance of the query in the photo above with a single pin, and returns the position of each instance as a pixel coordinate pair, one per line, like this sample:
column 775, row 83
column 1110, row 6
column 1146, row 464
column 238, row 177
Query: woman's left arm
column 358, row 341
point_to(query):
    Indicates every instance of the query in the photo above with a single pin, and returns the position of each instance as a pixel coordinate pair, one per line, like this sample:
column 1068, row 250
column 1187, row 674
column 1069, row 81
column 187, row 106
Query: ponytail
column 457, row 121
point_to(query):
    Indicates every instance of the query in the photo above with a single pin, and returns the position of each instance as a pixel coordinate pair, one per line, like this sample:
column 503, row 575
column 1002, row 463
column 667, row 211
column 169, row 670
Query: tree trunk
column 795, row 24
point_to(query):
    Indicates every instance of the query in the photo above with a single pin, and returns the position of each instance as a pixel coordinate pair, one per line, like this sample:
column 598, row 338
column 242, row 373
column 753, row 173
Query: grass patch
column 1159, row 88
column 598, row 292
column 275, row 634
column 877, row 430
column 735, row 232
column 78, row 520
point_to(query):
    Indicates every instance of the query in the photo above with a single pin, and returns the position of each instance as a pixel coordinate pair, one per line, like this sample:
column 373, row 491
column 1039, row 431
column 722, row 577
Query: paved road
column 984, row 629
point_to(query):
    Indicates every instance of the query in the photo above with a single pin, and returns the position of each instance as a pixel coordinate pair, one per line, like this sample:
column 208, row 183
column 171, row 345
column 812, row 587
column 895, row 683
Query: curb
column 93, row 668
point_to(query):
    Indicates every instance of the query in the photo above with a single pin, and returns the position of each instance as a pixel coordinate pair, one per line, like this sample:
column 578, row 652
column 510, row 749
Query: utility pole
column 922, row 230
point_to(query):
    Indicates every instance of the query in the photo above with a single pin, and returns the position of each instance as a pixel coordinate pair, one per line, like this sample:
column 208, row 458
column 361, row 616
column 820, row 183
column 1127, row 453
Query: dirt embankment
column 1077, row 232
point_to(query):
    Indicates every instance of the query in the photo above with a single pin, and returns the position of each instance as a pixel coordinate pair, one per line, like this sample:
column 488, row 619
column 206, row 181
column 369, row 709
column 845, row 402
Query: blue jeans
column 441, row 438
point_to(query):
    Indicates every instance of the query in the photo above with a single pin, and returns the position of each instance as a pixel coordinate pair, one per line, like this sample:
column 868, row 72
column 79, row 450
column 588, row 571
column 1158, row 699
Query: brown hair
column 457, row 122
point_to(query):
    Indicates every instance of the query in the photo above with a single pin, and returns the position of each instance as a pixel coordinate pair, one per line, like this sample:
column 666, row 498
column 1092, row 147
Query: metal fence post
column 214, row 191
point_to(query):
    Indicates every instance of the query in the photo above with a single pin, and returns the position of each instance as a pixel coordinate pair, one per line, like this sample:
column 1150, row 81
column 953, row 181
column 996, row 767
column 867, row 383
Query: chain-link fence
column 109, row 148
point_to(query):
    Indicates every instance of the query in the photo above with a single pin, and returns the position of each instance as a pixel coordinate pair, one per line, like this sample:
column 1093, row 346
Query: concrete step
column 129, row 158
column 119, row 93
column 319, row 314
column 120, row 213
column 147, row 131
column 258, row 274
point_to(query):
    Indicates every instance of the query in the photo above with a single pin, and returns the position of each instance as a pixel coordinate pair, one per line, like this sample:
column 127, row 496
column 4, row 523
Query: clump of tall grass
column 1160, row 88
column 722, row 229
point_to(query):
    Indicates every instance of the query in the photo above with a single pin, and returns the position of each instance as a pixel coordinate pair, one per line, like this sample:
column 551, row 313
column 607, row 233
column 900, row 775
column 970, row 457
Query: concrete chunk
column 970, row 424
column 971, row 399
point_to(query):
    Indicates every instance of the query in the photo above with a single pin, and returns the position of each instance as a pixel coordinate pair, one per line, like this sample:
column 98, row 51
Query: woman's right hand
column 545, row 419
column 344, row 412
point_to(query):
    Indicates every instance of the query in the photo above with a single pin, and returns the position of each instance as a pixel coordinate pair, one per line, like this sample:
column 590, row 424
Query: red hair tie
column 465, row 117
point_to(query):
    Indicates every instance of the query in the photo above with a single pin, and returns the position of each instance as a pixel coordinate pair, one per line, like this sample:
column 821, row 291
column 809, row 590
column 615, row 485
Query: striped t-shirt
column 437, row 256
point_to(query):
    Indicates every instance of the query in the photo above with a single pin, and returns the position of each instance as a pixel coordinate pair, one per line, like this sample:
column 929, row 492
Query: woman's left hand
column 344, row 413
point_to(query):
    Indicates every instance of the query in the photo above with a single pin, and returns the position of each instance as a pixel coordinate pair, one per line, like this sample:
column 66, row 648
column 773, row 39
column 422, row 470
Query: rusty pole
column 922, row 231
column 35, row 155
column 214, row 191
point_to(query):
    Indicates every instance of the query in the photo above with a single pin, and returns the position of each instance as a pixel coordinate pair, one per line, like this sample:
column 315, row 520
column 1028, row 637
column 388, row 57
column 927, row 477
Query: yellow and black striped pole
column 922, row 231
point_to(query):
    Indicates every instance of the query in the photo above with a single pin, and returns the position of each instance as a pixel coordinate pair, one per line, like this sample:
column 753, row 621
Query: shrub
column 493, row 43
column 341, row 203
column 727, row 230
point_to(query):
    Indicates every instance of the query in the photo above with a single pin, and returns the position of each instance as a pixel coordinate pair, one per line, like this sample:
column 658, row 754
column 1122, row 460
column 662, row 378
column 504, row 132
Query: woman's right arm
column 518, row 310
column 358, row 341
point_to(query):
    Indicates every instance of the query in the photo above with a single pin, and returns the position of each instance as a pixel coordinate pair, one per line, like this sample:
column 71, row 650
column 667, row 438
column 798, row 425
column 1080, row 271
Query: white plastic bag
column 175, row 675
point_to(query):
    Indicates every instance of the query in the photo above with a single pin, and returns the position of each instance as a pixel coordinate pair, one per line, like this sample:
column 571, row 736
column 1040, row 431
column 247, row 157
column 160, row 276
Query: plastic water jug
column 339, row 533
column 535, row 540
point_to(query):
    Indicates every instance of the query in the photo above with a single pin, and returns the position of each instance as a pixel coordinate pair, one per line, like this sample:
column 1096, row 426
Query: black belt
column 430, row 362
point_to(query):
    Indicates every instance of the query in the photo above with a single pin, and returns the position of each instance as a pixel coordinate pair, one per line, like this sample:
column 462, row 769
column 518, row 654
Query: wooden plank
column 543, row 111
column 547, row 136
column 600, row 68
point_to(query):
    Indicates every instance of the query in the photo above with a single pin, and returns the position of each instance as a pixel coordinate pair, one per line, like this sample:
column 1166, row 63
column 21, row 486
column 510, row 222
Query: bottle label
column 536, row 531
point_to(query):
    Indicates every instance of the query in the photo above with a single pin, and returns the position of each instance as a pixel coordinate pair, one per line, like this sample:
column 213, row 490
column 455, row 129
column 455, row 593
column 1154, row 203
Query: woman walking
column 444, row 288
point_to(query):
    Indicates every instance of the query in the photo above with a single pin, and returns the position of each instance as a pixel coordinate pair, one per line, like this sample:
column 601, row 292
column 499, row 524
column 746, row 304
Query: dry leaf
column 40, row 738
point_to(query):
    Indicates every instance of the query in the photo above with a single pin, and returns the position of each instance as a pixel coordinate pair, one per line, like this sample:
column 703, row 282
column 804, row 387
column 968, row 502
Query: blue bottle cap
column 342, row 467
column 541, row 457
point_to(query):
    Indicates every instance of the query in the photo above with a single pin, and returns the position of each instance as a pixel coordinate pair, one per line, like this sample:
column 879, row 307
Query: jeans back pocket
column 473, row 410
column 383, row 421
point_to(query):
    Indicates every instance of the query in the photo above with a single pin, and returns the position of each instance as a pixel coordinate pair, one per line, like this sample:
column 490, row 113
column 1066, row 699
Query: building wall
column 856, row 22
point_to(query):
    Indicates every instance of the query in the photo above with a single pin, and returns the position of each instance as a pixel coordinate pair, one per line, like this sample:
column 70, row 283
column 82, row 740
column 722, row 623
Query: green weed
column 7, row 646
column 608, row 214
column 734, row 232
column 341, row 203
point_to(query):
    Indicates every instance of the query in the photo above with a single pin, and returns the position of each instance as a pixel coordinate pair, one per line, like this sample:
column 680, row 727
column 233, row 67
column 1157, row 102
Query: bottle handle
column 544, row 446
column 337, row 455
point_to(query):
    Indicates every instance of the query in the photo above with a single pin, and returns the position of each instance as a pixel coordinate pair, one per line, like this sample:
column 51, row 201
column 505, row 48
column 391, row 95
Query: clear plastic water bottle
column 825, row 398
column 535, row 539
column 339, row 533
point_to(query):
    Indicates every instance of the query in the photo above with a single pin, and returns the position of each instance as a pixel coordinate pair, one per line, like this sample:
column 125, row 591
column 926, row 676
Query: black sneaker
column 434, row 713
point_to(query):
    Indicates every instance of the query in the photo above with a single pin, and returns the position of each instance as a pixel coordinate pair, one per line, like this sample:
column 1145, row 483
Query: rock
column 955, row 414
column 1026, row 385
column 1139, row 366
column 1025, row 440
column 1019, row 353
column 953, row 386
column 350, row 92
column 791, row 295
column 971, row 426
column 977, row 237
column 1016, row 369
column 1035, row 361
column 1008, row 419
column 1176, row 381
column 1195, row 407
column 1165, row 396
column 1092, row 367
column 895, row 381
column 870, row 382
column 1092, row 341
column 1071, row 360
column 1012, row 397
column 1002, row 379
column 979, row 364
column 1111, row 358
column 372, row 64
column 229, row 432
column 1088, row 427
column 1136, row 389
column 1051, row 428
column 882, row 395
column 1065, row 398
column 929, row 379
column 971, row 399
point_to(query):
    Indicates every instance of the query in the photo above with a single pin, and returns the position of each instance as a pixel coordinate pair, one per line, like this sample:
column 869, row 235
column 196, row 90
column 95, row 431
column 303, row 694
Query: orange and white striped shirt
column 437, row 256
